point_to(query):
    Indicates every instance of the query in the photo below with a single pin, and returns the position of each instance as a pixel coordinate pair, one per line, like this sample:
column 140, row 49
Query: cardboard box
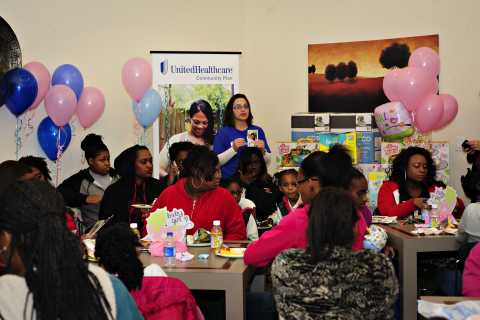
column 303, row 134
column 348, row 139
column 291, row 154
column 375, row 175
column 308, row 120
column 346, row 122
column 365, row 147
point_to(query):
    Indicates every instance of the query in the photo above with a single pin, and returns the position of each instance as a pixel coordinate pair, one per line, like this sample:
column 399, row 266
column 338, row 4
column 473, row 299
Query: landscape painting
column 348, row 76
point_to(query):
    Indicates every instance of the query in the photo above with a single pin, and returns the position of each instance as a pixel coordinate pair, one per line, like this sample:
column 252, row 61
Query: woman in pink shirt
column 317, row 171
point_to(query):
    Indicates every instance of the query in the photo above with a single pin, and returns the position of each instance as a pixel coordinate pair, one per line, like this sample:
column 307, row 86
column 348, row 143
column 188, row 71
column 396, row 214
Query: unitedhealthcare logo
column 164, row 66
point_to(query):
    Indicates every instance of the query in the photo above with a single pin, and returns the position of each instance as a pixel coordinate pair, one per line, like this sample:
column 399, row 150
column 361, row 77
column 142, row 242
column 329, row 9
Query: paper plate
column 231, row 253
column 141, row 206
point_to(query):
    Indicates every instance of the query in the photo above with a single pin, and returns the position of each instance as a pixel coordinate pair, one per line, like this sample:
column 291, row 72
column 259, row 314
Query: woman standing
column 232, row 138
column 84, row 190
column 136, row 186
column 200, row 133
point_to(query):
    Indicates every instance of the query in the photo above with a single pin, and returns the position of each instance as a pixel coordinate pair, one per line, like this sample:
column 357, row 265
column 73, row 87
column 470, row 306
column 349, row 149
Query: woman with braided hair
column 42, row 267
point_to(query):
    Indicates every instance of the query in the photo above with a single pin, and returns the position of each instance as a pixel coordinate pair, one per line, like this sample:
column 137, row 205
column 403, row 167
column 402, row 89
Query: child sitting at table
column 156, row 295
column 469, row 228
column 286, row 181
column 248, row 207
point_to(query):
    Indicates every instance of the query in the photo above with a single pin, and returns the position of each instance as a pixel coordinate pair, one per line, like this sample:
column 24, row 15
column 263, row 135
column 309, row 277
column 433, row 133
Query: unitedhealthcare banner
column 183, row 77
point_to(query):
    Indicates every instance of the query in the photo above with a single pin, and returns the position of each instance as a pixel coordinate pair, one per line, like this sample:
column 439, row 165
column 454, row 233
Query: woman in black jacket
column 84, row 190
column 136, row 186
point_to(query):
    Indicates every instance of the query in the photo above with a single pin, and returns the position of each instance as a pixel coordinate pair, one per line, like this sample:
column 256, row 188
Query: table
column 408, row 245
column 216, row 273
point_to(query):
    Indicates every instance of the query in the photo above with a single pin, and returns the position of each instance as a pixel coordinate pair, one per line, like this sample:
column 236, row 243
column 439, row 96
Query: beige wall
column 273, row 35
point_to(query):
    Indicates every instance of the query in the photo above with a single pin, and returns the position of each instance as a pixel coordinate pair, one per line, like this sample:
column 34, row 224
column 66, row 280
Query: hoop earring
column 405, row 171
column 193, row 184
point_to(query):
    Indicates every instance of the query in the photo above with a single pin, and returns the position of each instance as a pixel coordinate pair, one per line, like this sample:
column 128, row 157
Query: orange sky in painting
column 365, row 53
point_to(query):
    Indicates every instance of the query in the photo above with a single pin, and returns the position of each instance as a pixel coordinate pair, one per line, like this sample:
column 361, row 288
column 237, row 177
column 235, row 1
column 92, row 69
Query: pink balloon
column 90, row 106
column 60, row 103
column 41, row 74
column 413, row 85
column 390, row 84
column 429, row 113
column 426, row 59
column 137, row 77
column 450, row 110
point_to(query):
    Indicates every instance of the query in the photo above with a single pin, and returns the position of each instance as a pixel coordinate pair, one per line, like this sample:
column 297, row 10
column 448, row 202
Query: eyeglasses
column 240, row 107
column 299, row 182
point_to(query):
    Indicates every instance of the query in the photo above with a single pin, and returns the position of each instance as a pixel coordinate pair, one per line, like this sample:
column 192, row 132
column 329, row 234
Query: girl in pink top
column 318, row 170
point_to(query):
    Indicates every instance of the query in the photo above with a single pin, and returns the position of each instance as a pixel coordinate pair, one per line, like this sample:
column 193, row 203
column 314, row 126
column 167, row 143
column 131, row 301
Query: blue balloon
column 148, row 109
column 70, row 76
column 47, row 134
column 19, row 89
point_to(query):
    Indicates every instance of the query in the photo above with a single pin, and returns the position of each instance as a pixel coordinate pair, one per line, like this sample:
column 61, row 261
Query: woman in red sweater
column 201, row 198
column 411, row 180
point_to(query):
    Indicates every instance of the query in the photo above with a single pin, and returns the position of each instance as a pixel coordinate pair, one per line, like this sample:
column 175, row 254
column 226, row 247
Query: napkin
column 184, row 256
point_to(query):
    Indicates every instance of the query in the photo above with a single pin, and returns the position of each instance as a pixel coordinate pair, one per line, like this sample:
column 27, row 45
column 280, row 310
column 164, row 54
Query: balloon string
column 29, row 122
column 58, row 163
column 18, row 138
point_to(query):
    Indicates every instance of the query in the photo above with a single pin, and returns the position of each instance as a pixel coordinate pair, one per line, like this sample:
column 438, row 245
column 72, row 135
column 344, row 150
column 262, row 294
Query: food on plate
column 229, row 252
column 201, row 236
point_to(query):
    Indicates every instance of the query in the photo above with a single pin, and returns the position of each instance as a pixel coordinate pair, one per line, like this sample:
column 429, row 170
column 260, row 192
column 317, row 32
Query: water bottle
column 169, row 250
column 216, row 235
column 134, row 229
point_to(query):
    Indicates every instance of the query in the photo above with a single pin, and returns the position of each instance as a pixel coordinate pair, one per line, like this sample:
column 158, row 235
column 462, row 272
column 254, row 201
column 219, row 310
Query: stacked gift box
column 359, row 134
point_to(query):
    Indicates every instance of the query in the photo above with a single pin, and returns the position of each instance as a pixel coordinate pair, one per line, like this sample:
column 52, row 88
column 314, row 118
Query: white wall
column 273, row 35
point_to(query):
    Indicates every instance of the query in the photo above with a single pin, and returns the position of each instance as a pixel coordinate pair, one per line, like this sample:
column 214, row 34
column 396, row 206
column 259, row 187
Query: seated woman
column 136, row 186
column 84, row 190
column 318, row 170
column 258, row 184
column 200, row 132
column 411, row 180
column 42, row 266
column 232, row 138
column 201, row 198
column 328, row 279
column 157, row 296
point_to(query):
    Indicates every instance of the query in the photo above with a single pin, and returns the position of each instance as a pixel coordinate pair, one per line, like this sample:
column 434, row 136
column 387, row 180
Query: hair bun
column 90, row 140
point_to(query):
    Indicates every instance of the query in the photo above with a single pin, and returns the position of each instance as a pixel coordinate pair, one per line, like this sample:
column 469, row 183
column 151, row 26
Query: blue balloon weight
column 148, row 109
column 47, row 134
column 19, row 89
column 70, row 76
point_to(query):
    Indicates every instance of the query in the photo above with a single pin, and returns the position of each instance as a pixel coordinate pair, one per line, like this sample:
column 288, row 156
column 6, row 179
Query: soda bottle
column 169, row 250
column 134, row 229
column 216, row 235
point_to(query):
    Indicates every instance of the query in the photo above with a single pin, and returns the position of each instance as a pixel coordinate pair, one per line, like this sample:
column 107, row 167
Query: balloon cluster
column 64, row 95
column 415, row 88
column 137, row 80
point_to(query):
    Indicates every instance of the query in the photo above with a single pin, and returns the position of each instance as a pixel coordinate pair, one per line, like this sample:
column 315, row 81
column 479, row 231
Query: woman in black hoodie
column 84, row 190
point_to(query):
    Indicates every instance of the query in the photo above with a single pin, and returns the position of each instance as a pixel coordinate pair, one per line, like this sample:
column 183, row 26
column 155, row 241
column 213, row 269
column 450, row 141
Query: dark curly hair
column 201, row 163
column 398, row 172
column 39, row 163
column 115, row 248
column 93, row 145
column 62, row 287
column 228, row 118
